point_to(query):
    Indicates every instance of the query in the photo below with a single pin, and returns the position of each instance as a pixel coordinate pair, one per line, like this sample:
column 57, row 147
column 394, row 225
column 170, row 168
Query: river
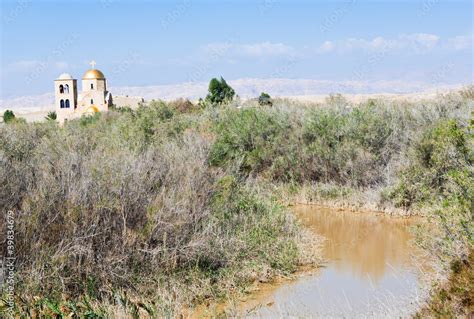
column 372, row 269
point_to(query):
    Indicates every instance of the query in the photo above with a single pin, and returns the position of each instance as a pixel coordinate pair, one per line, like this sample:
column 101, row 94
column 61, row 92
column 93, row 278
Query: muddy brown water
column 372, row 269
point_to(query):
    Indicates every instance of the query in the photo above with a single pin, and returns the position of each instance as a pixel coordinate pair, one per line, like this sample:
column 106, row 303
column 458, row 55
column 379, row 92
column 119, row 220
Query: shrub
column 108, row 208
column 249, row 138
column 156, row 109
column 439, row 153
column 163, row 206
column 337, row 100
column 360, row 146
column 440, row 177
column 350, row 146
column 183, row 106
column 51, row 116
column 468, row 92
column 265, row 99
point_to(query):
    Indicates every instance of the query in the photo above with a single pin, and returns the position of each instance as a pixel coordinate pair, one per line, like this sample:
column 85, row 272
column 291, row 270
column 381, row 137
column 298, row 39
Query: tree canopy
column 220, row 92
column 8, row 116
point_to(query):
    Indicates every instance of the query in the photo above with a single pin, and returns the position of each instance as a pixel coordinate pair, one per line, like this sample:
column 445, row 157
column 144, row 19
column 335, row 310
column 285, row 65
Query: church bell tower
column 65, row 91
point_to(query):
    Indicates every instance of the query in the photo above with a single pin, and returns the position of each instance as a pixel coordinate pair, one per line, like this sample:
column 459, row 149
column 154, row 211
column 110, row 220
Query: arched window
column 92, row 101
column 92, row 86
column 66, row 88
column 61, row 104
column 67, row 104
column 61, row 89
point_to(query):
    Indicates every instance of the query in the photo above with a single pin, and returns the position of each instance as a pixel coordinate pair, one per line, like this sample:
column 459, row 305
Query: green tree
column 8, row 116
column 220, row 92
column 265, row 99
column 51, row 116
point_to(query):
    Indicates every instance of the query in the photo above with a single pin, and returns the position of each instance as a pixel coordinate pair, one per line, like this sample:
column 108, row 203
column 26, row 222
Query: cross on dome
column 92, row 63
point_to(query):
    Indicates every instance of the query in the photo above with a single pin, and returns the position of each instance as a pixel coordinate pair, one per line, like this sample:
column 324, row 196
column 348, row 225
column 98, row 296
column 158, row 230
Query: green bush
column 249, row 138
column 440, row 177
column 440, row 152
column 357, row 146
column 265, row 99
column 51, row 116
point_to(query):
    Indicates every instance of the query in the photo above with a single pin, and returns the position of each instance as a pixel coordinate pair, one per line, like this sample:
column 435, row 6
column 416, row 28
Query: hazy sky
column 139, row 43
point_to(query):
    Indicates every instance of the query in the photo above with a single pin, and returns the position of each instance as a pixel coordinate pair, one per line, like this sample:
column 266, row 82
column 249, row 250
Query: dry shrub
column 104, row 205
column 183, row 106
column 126, row 205
column 468, row 92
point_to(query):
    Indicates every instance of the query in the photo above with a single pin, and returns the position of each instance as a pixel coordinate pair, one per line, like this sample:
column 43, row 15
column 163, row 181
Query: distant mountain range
column 245, row 88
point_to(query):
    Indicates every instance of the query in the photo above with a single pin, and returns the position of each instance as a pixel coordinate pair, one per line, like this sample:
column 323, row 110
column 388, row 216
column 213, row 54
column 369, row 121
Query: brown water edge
column 361, row 242
column 371, row 262
column 237, row 306
column 363, row 245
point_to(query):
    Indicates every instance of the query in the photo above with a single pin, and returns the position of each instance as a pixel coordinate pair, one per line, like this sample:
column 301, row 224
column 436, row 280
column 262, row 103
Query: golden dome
column 92, row 109
column 93, row 74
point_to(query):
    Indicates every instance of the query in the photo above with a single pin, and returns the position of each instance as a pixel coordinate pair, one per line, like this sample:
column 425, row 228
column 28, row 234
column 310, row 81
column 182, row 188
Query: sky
column 139, row 43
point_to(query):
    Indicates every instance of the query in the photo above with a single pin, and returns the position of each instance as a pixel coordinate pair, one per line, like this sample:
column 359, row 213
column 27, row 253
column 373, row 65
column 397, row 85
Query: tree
column 220, row 92
column 51, row 116
column 265, row 99
column 8, row 116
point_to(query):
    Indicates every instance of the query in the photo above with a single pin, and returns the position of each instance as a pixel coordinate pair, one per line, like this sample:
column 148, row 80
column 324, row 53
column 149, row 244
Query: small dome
column 92, row 109
column 93, row 74
column 65, row 76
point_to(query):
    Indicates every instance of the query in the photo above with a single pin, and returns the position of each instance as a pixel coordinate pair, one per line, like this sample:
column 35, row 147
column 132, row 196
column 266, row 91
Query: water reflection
column 363, row 244
column 370, row 270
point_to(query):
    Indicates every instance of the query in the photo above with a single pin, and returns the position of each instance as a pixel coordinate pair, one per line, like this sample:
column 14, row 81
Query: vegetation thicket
column 159, row 209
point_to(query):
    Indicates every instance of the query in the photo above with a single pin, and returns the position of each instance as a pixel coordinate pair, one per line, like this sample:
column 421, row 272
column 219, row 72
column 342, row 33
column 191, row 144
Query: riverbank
column 339, row 198
column 364, row 243
column 372, row 269
column 453, row 298
column 163, row 208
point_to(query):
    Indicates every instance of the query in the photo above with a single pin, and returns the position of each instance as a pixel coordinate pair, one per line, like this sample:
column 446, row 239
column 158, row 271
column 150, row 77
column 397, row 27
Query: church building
column 93, row 98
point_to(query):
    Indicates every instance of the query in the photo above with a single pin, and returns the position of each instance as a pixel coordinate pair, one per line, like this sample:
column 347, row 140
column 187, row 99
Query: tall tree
column 8, row 116
column 220, row 92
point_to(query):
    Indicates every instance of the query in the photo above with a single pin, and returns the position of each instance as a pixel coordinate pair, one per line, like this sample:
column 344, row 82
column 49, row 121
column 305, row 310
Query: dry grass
column 160, row 209
column 123, row 210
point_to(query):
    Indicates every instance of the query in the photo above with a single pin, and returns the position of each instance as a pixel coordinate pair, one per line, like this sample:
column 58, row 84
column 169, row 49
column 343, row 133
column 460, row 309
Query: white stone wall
column 131, row 101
